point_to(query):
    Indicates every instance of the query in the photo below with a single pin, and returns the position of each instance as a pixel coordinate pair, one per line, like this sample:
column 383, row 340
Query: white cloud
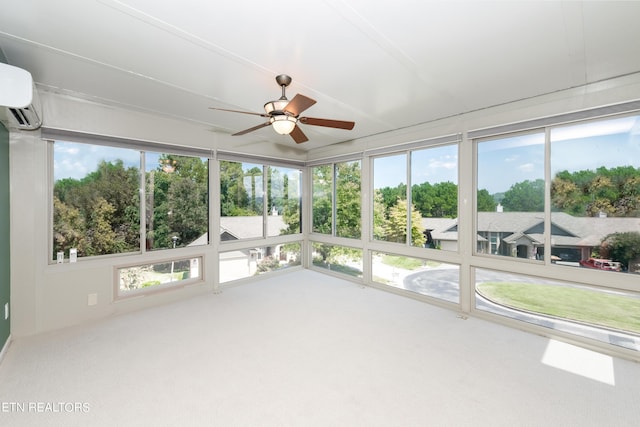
column 527, row 167
column 443, row 163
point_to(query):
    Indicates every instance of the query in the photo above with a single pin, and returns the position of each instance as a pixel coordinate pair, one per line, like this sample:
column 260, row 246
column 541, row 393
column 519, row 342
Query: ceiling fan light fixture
column 283, row 124
column 278, row 105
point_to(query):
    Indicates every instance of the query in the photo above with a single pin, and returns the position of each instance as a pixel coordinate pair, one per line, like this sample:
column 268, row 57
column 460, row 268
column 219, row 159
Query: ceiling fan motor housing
column 283, row 80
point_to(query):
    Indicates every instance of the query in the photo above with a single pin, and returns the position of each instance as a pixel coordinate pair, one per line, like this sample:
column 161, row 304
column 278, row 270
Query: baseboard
column 4, row 348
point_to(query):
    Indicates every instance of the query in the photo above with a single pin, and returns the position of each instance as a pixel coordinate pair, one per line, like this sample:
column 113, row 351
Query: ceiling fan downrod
column 283, row 81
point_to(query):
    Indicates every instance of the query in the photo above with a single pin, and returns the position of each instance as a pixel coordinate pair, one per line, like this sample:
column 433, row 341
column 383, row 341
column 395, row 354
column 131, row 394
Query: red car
column 601, row 264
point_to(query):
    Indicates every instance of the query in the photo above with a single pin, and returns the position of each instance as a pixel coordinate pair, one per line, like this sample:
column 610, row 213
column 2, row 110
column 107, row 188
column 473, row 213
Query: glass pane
column 244, row 263
column 148, row 276
column 390, row 198
column 241, row 200
column 510, row 197
column 595, row 194
column 284, row 195
column 434, row 195
column 96, row 199
column 177, row 201
column 348, row 200
column 341, row 259
column 425, row 277
column 610, row 317
column 322, row 177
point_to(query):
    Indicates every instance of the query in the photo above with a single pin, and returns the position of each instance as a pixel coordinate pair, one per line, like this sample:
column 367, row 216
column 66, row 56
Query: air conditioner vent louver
column 26, row 118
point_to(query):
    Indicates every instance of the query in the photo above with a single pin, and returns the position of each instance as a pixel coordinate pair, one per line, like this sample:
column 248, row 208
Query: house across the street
column 521, row 234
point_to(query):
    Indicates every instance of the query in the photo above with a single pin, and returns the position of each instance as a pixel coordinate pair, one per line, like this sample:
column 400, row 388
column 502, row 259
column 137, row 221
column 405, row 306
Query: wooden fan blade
column 339, row 124
column 298, row 104
column 242, row 132
column 298, row 136
column 239, row 111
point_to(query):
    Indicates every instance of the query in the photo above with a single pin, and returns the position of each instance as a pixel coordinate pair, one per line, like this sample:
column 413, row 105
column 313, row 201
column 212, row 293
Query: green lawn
column 583, row 305
column 406, row 263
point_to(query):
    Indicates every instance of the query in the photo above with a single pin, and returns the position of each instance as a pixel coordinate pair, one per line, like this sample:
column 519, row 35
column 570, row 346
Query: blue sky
column 438, row 164
column 501, row 162
column 74, row 160
column 610, row 143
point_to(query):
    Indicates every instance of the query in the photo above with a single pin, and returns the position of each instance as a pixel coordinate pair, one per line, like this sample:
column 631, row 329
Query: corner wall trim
column 5, row 348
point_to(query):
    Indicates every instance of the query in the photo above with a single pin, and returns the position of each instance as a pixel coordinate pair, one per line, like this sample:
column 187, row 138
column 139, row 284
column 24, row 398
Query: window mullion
column 407, row 241
column 142, row 201
column 334, row 199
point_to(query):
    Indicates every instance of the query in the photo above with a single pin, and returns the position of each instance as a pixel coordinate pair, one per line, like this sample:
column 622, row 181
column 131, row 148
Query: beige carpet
column 305, row 349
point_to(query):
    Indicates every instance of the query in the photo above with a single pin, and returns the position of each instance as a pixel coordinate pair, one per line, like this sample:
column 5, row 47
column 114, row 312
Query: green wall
column 5, row 251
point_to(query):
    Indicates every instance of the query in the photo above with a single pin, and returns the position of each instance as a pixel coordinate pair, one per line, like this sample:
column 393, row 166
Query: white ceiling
column 383, row 64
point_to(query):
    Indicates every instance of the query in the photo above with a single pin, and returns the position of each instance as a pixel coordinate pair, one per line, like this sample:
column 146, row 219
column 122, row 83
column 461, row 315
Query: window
column 96, row 199
column 593, row 190
column 158, row 275
column 322, row 210
column 242, row 263
column 243, row 208
column 241, row 200
column 337, row 209
column 421, row 196
column 431, row 278
column 340, row 259
column 510, row 196
column 434, row 194
column 348, row 220
column 595, row 194
column 390, row 199
column 598, row 314
column 284, row 195
column 97, row 195
column 177, row 201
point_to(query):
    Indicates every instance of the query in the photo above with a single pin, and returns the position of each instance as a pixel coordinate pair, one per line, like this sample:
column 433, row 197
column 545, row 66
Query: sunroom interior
column 492, row 179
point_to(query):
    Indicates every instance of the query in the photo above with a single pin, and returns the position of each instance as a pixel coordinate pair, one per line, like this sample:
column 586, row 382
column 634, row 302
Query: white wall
column 47, row 297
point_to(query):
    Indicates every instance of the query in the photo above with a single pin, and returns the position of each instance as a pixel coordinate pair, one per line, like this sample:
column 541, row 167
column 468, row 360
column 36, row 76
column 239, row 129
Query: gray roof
column 581, row 231
column 244, row 227
column 443, row 228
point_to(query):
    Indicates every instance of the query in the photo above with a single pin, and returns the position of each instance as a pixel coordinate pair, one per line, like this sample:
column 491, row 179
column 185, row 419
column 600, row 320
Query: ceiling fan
column 284, row 115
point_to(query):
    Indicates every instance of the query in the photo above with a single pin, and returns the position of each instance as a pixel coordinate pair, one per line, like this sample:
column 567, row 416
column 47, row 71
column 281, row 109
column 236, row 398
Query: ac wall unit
column 19, row 95
column 28, row 117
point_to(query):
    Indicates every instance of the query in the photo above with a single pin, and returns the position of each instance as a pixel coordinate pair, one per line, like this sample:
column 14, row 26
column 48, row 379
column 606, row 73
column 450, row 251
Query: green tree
column 486, row 202
column 101, row 237
column 113, row 190
column 188, row 205
column 423, row 197
column 525, row 196
column 390, row 195
column 322, row 199
column 283, row 195
column 566, row 196
column 396, row 225
column 254, row 176
column 177, row 201
column 68, row 228
column 234, row 200
column 615, row 192
column 379, row 215
column 621, row 247
column 348, row 220
column 445, row 200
